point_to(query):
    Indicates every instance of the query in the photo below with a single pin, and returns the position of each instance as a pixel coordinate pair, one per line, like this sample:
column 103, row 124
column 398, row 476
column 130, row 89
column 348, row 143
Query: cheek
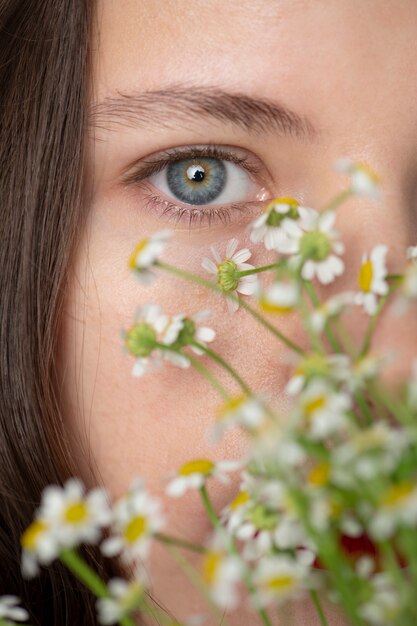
column 148, row 426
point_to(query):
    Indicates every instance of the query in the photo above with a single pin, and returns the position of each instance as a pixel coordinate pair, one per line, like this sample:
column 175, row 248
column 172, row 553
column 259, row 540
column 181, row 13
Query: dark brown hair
column 44, row 79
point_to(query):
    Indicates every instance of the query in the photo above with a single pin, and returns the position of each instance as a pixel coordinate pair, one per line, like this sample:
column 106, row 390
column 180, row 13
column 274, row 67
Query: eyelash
column 223, row 214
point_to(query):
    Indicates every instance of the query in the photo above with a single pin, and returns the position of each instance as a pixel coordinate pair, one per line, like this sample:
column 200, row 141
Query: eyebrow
column 181, row 104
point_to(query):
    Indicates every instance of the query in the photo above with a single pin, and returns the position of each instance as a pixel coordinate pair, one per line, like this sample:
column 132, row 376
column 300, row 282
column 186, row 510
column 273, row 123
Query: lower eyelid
column 165, row 209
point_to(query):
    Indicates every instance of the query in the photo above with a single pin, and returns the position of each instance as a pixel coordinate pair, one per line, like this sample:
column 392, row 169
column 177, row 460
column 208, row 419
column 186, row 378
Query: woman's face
column 185, row 72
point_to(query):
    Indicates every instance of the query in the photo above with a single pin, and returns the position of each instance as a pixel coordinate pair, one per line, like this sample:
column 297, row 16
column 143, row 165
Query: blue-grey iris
column 196, row 181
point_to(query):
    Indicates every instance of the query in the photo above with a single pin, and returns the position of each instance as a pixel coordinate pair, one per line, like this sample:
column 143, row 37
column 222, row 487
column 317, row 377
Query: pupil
column 196, row 173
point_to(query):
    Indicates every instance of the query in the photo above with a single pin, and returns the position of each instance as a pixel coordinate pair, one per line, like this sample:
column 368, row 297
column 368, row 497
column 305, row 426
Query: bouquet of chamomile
column 327, row 503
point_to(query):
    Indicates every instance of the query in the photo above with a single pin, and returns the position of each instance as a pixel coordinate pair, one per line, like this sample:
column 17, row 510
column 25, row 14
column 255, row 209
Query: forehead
column 342, row 61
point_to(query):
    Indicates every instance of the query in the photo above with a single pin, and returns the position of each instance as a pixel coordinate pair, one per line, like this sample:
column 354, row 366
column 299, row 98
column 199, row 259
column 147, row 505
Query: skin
column 352, row 69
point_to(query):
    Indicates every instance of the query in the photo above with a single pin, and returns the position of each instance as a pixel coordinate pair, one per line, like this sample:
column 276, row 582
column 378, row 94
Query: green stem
column 210, row 285
column 247, row 580
column 215, row 522
column 196, row 580
column 395, row 407
column 204, row 371
column 89, row 578
column 338, row 200
column 315, row 338
column 319, row 609
column 216, row 357
column 371, row 327
column 327, row 330
column 179, row 543
column 362, row 404
column 364, row 407
column 256, row 270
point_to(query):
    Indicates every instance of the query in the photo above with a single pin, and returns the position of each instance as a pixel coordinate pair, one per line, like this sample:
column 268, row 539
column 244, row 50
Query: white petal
column 215, row 254
column 232, row 305
column 205, row 334
column 326, row 221
column 139, row 368
column 177, row 487
column 295, row 385
column 242, row 256
column 111, row 546
column 209, row 266
column 231, row 248
column 309, row 270
column 258, row 234
column 247, row 287
column 325, row 274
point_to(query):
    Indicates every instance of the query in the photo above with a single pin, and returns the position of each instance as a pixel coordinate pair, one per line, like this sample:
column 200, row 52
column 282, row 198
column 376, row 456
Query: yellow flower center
column 371, row 438
column 313, row 365
column 314, row 404
column 291, row 201
column 76, row 513
column 135, row 529
column 241, row 499
column 271, row 307
column 132, row 259
column 198, row 466
column 364, row 167
column 397, row 495
column 231, row 405
column 211, row 564
column 319, row 475
column 280, row 584
column 30, row 537
column 365, row 276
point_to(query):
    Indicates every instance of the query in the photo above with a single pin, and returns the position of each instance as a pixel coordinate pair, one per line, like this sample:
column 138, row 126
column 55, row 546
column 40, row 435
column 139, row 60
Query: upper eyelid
column 148, row 166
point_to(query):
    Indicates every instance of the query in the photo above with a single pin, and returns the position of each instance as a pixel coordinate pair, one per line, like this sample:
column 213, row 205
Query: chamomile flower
column 137, row 516
column 364, row 181
column 222, row 573
column 271, row 226
column 280, row 297
column 331, row 308
column 397, row 507
column 357, row 373
column 39, row 547
column 9, row 609
column 66, row 518
column 384, row 606
column 318, row 248
column 316, row 365
column 124, row 598
column 239, row 411
column 74, row 516
column 412, row 253
column 183, row 331
column 322, row 410
column 232, row 515
column 279, row 578
column 227, row 272
column 368, row 453
column 265, row 527
column 146, row 253
column 407, row 291
column 142, row 338
column 193, row 475
column 372, row 279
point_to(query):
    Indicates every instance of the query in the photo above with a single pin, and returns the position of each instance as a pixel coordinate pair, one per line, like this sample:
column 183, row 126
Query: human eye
column 201, row 184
